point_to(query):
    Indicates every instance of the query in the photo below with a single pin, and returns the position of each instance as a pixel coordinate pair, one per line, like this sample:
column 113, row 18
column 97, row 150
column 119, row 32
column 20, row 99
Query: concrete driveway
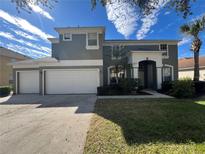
column 52, row 124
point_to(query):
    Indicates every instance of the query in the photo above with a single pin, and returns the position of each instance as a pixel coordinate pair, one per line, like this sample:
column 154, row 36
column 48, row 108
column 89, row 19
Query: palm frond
column 203, row 22
column 185, row 28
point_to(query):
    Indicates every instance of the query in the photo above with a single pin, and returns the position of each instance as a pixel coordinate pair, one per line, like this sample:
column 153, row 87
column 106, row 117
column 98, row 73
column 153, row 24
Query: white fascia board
column 53, row 40
column 79, row 30
column 35, row 61
column 77, row 63
column 62, row 63
column 26, row 66
column 157, row 51
column 108, row 43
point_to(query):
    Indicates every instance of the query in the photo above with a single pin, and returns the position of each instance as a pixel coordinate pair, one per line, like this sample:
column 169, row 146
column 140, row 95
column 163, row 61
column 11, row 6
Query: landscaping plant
column 183, row 88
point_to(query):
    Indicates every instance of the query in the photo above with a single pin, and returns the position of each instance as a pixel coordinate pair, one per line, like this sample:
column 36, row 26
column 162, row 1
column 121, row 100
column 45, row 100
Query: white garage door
column 29, row 82
column 72, row 81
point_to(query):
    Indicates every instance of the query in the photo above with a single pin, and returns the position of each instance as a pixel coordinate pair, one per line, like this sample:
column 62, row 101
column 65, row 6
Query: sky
column 27, row 33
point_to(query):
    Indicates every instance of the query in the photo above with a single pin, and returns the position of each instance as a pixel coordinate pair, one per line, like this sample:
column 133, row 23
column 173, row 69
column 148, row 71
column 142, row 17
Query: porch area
column 148, row 68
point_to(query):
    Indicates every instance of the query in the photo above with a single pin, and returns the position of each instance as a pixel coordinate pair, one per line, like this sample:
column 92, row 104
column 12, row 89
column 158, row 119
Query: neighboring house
column 6, row 72
column 82, row 60
column 186, row 68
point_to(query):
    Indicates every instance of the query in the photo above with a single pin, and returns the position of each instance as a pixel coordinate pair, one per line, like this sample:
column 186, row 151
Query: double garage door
column 69, row 81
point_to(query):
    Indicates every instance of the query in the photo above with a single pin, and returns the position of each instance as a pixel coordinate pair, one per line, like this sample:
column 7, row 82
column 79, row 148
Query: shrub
column 199, row 87
column 128, row 84
column 109, row 90
column 183, row 88
column 5, row 91
column 124, row 86
column 101, row 90
column 167, row 86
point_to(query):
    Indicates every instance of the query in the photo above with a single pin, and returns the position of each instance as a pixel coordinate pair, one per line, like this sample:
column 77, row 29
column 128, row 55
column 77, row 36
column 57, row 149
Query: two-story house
column 82, row 60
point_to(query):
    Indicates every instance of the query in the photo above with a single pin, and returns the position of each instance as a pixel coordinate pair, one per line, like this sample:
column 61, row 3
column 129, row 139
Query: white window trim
column 172, row 71
column 114, row 58
column 67, row 39
column 92, row 47
column 164, row 57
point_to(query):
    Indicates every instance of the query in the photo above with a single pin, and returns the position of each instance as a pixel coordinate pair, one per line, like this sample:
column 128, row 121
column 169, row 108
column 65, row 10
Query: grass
column 147, row 126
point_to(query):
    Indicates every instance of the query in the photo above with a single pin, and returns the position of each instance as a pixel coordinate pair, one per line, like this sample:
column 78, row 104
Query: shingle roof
column 189, row 62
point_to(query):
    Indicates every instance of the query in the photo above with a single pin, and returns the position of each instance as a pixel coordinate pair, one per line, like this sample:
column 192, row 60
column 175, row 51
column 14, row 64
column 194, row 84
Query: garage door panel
column 29, row 82
column 72, row 81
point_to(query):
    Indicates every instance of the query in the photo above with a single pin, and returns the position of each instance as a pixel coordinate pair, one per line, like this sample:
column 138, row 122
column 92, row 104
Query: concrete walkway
column 153, row 94
column 51, row 124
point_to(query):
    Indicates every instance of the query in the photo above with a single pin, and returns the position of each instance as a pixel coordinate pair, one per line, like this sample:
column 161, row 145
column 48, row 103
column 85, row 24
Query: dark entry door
column 150, row 76
column 149, row 70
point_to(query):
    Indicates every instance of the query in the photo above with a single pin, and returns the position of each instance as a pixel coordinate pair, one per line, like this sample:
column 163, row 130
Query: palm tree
column 193, row 29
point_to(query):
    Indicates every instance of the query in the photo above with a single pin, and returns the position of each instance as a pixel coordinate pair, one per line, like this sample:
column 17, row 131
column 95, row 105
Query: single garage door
column 72, row 81
column 29, row 82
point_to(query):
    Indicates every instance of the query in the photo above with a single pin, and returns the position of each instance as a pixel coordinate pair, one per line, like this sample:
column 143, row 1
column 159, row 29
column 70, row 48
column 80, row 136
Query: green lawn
column 147, row 126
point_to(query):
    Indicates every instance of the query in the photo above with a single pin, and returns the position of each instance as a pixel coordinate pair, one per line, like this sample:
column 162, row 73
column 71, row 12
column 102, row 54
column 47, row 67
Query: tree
column 26, row 4
column 193, row 29
column 147, row 6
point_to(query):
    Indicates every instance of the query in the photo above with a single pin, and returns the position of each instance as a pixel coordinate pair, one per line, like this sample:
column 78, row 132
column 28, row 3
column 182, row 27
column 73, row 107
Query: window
column 167, row 74
column 116, row 52
column 67, row 37
column 116, row 73
column 92, row 41
column 164, row 47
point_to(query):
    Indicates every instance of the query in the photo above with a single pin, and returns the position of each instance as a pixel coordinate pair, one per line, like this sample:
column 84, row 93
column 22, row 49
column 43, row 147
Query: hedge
column 5, row 91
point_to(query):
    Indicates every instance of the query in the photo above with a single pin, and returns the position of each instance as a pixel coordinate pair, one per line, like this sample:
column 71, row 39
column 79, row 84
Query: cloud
column 26, row 51
column 167, row 27
column 24, row 25
column 48, row 50
column 123, row 15
column 39, row 10
column 167, row 12
column 185, row 40
column 9, row 36
column 6, row 35
column 149, row 20
column 24, row 35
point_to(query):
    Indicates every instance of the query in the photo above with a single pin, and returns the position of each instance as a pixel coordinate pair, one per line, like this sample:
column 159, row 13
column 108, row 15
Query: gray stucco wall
column 76, row 49
column 173, row 59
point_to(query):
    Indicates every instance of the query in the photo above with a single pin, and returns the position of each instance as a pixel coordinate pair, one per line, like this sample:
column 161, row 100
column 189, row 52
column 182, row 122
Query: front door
column 147, row 74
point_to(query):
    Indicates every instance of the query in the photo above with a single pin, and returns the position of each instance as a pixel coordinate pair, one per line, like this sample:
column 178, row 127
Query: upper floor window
column 164, row 47
column 67, row 37
column 92, row 41
column 117, row 52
